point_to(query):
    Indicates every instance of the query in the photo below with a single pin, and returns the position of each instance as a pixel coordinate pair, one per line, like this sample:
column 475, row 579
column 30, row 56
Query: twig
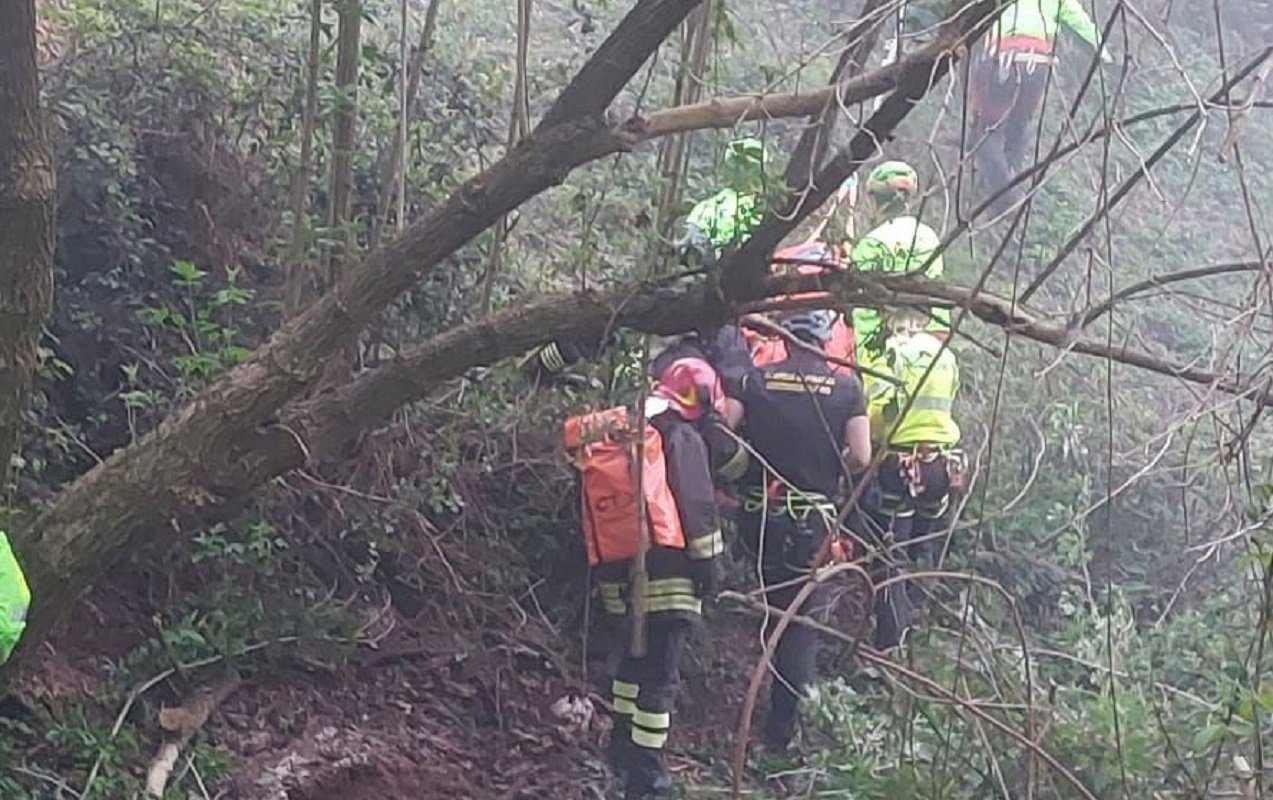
column 181, row 724
column 762, row 666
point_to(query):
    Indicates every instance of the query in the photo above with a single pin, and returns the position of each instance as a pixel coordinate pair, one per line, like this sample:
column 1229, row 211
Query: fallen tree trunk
column 232, row 438
column 173, row 471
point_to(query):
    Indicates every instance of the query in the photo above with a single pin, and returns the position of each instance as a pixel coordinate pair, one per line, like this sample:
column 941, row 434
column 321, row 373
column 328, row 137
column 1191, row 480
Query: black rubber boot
column 647, row 777
column 777, row 734
column 619, row 751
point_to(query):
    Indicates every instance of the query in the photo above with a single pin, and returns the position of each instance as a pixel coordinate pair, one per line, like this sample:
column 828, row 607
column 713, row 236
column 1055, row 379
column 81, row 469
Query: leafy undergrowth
column 455, row 702
column 404, row 628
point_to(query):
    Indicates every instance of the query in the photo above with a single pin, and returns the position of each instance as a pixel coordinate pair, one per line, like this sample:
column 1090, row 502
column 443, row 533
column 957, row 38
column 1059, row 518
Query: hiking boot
column 776, row 739
column 647, row 777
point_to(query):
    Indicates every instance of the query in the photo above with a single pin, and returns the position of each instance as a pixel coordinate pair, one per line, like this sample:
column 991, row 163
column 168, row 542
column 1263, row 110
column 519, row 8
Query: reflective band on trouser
column 649, row 729
column 673, row 594
column 936, row 511
column 708, row 546
column 735, row 467
column 625, row 697
column 612, row 598
column 895, row 504
column 550, row 356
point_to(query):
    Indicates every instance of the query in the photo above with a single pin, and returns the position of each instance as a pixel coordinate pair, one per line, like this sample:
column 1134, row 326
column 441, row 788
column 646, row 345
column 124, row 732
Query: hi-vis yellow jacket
column 15, row 599
column 929, row 420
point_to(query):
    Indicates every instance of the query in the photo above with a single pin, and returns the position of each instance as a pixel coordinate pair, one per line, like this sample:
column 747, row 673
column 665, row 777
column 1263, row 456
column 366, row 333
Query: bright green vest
column 902, row 244
column 15, row 599
column 930, row 419
column 727, row 217
column 1042, row 19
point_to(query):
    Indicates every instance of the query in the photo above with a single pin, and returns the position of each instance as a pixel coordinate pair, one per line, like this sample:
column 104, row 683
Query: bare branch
column 1117, row 196
column 1158, row 281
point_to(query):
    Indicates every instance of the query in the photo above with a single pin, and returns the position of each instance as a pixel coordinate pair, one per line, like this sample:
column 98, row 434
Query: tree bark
column 27, row 191
column 298, row 272
column 341, row 191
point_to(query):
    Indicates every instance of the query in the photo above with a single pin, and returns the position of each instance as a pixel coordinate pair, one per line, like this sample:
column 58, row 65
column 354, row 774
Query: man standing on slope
column 898, row 243
column 679, row 577
column 1008, row 76
column 914, row 479
column 808, row 425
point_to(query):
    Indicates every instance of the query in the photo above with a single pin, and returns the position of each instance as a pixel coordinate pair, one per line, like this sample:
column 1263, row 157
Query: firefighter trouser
column 644, row 689
column 786, row 544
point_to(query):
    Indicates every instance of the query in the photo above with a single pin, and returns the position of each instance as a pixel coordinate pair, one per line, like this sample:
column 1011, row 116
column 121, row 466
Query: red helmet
column 690, row 385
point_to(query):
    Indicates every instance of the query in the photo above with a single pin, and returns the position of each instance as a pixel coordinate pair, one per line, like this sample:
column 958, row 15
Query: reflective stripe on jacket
column 671, row 586
column 929, row 419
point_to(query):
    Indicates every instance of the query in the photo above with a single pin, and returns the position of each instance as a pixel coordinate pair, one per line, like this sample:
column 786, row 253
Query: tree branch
column 816, row 137
column 911, row 78
column 1126, row 186
column 618, row 58
column 1010, row 316
column 1158, row 281
column 177, row 468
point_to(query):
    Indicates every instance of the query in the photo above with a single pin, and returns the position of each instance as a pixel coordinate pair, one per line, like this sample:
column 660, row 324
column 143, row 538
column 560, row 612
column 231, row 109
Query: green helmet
column 745, row 153
column 893, row 181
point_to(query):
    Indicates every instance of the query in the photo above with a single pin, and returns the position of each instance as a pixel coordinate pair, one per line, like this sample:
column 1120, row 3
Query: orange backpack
column 601, row 446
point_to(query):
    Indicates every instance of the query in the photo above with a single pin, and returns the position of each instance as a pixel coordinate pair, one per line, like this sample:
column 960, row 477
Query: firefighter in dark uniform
column 808, row 423
column 644, row 689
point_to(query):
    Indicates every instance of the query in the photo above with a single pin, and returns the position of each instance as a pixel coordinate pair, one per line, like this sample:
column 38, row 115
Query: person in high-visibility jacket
column 899, row 242
column 15, row 599
column 914, row 478
column 719, row 222
column 728, row 217
column 1009, row 75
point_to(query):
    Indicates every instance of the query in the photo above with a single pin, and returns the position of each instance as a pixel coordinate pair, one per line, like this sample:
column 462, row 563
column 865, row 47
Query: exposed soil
column 438, row 710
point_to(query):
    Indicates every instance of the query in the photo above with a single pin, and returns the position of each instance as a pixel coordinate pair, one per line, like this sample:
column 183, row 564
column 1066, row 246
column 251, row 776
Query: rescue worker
column 898, row 242
column 808, row 424
column 914, row 478
column 15, row 599
column 1008, row 77
column 811, row 258
column 644, row 688
column 727, row 218
column 723, row 220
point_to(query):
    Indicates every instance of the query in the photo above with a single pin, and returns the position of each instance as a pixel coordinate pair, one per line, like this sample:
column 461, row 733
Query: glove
column 703, row 573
